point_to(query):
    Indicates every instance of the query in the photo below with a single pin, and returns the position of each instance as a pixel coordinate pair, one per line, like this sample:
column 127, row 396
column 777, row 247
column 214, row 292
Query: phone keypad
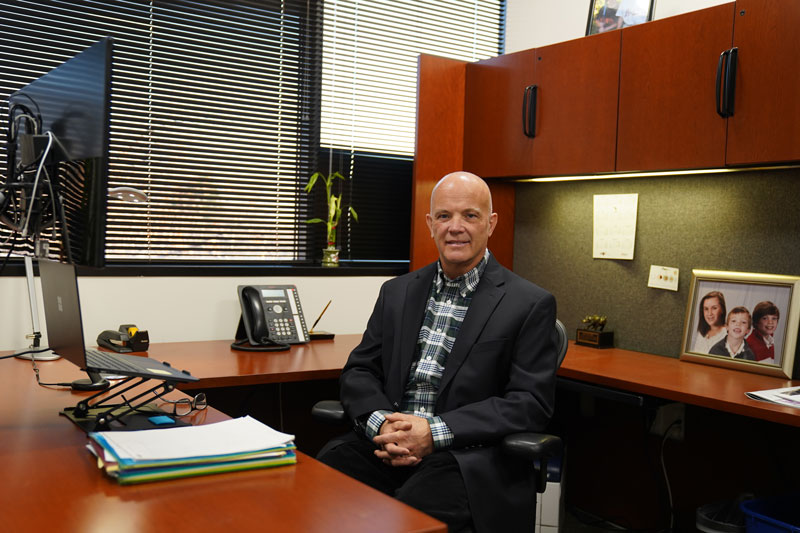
column 281, row 329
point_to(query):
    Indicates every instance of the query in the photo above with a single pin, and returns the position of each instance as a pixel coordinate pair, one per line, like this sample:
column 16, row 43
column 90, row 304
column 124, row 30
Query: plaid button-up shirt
column 448, row 303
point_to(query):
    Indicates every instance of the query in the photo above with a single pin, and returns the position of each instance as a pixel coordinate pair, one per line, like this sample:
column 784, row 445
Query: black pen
column 320, row 316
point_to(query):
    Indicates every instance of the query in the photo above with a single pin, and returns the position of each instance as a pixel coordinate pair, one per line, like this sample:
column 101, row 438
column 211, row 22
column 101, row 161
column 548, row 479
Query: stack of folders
column 156, row 454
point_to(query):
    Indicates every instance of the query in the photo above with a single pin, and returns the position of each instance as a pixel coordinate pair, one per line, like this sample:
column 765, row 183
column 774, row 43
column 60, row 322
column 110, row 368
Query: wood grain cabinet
column 765, row 124
column 715, row 87
column 667, row 113
column 494, row 142
column 542, row 111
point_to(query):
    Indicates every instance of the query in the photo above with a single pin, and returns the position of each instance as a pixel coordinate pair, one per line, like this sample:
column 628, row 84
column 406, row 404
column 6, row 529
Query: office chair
column 538, row 449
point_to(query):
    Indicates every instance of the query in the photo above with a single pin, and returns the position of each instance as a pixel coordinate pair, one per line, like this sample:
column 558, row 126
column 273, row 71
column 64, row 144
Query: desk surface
column 218, row 365
column 50, row 481
column 682, row 381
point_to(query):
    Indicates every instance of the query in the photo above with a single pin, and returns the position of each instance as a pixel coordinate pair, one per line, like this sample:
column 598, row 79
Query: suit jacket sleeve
column 362, row 382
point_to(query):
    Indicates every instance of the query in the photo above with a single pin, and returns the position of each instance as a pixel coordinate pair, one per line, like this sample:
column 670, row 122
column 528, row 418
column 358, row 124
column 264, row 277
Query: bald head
column 461, row 221
column 463, row 180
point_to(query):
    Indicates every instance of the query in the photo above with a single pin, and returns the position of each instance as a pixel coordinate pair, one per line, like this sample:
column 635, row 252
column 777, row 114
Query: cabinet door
column 667, row 113
column 765, row 126
column 494, row 142
column 576, row 107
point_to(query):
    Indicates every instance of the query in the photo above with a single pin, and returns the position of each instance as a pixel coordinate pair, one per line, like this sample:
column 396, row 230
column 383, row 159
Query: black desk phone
column 272, row 318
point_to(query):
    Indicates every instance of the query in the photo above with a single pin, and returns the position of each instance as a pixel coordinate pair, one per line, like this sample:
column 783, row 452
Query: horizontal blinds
column 369, row 74
column 210, row 118
column 368, row 103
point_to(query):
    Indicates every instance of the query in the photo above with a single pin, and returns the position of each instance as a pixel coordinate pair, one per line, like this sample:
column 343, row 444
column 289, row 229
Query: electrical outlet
column 662, row 277
column 670, row 418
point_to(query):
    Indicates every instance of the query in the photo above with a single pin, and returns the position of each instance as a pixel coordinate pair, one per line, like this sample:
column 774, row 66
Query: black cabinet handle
column 730, row 81
column 529, row 111
column 720, row 97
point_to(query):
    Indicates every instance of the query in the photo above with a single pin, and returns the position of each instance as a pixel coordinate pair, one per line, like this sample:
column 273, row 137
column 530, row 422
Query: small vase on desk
column 330, row 256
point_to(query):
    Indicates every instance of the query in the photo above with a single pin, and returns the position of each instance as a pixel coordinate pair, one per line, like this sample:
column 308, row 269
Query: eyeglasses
column 185, row 406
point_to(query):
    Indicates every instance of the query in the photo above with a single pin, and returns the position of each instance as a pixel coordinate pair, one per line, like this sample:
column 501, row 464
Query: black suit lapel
column 413, row 313
column 484, row 301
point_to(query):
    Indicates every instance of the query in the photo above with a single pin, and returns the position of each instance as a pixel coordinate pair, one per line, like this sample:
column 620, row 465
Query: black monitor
column 66, row 186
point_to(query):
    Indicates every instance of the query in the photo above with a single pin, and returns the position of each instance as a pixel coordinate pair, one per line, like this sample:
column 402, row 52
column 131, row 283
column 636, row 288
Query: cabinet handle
column 730, row 81
column 720, row 111
column 529, row 111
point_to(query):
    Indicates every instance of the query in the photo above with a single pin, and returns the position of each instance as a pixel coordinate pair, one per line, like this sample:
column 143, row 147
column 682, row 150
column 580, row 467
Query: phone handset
column 271, row 318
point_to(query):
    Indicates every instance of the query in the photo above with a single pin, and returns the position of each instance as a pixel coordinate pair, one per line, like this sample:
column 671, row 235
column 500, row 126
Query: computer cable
column 10, row 250
column 36, row 372
column 36, row 182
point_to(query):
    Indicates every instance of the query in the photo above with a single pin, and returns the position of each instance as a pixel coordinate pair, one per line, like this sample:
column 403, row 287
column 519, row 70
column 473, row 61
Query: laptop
column 62, row 310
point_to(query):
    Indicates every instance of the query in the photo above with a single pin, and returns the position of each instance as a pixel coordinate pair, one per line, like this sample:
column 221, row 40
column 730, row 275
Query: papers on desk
column 789, row 396
column 155, row 454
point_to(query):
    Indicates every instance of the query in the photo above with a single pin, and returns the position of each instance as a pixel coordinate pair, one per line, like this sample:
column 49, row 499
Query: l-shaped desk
column 51, row 482
column 722, row 389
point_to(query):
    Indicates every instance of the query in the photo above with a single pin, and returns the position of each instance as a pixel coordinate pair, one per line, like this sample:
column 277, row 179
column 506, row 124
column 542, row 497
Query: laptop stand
column 104, row 411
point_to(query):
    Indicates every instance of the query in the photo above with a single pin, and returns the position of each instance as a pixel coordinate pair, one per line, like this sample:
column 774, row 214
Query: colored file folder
column 151, row 455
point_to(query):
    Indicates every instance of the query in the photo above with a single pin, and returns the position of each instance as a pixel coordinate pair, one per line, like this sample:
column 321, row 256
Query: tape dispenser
column 128, row 338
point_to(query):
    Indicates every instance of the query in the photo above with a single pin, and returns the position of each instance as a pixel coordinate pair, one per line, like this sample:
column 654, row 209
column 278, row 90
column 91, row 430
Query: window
column 222, row 109
column 369, row 89
column 212, row 106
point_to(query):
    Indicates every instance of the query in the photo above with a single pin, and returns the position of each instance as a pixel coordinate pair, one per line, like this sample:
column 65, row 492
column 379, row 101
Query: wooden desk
column 713, row 387
column 731, row 444
column 218, row 365
column 51, row 483
column 722, row 389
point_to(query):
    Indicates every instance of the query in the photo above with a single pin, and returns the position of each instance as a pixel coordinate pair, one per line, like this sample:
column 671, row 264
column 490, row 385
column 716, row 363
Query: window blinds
column 222, row 109
column 369, row 74
column 211, row 104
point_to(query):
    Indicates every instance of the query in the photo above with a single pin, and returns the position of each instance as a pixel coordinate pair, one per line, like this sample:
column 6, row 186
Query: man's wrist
column 374, row 422
column 441, row 433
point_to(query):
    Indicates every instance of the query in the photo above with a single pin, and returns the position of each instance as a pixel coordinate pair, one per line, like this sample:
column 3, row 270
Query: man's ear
column 492, row 222
column 429, row 222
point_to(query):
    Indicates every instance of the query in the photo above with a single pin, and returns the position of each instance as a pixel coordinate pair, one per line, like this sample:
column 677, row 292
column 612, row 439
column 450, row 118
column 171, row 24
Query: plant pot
column 330, row 257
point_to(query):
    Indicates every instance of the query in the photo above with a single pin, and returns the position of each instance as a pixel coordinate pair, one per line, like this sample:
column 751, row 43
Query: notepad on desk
column 788, row 396
column 150, row 455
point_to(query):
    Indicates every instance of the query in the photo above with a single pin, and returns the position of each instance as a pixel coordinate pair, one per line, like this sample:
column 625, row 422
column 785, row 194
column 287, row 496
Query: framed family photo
column 744, row 321
column 607, row 15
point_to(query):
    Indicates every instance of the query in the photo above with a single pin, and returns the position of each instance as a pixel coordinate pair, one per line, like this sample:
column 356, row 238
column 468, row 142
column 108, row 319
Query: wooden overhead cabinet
column 667, row 116
column 494, row 142
column 549, row 110
column 764, row 126
column 715, row 87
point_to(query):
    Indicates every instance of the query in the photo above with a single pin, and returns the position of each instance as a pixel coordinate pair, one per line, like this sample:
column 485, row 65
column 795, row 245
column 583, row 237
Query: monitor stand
column 31, row 352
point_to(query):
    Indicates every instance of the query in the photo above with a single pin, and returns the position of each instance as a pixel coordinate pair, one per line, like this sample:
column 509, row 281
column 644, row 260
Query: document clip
column 128, row 338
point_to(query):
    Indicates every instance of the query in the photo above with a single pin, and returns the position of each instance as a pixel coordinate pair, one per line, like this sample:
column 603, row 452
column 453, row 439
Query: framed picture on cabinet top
column 607, row 15
column 744, row 321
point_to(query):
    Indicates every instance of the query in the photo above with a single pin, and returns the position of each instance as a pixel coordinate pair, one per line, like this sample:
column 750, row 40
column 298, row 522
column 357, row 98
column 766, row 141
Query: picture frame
column 607, row 15
column 765, row 305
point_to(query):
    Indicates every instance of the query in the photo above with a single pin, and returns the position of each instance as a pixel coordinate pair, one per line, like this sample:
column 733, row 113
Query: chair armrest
column 532, row 446
column 329, row 411
column 535, row 448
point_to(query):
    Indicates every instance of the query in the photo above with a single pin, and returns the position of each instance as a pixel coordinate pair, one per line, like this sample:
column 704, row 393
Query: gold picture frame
column 771, row 303
column 607, row 15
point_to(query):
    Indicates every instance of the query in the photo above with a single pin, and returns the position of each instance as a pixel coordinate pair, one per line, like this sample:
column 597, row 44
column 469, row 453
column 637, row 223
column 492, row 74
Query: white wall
column 533, row 23
column 187, row 308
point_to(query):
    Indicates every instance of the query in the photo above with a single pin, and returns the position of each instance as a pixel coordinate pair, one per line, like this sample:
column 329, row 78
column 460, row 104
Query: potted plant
column 330, row 254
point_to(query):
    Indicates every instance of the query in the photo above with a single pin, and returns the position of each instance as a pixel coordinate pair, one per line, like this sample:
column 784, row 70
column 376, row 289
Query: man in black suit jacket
column 455, row 356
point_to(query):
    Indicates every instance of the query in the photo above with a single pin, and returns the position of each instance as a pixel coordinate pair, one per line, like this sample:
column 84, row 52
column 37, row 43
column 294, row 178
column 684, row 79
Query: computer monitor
column 66, row 185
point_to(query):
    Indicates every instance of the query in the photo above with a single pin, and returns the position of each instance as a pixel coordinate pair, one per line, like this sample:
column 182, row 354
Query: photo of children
column 750, row 331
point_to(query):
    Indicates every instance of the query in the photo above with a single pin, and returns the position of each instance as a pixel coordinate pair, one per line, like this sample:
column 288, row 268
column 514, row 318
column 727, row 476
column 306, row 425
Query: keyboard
column 108, row 361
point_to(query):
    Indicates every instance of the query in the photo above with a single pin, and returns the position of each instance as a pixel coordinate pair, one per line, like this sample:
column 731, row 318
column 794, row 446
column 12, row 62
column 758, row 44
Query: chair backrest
column 562, row 341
